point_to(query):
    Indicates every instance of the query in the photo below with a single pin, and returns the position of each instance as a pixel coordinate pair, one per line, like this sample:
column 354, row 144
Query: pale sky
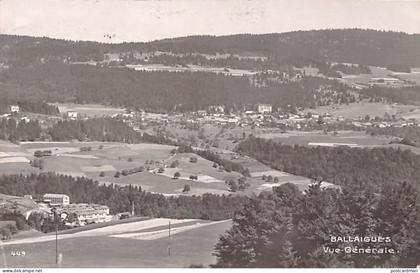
column 145, row 20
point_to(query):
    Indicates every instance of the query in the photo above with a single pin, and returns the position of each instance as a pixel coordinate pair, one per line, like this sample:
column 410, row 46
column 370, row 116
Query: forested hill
column 367, row 47
column 374, row 167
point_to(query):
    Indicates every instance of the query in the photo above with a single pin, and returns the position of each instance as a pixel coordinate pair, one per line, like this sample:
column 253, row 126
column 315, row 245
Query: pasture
column 89, row 110
column 319, row 138
column 361, row 109
column 192, row 242
column 110, row 162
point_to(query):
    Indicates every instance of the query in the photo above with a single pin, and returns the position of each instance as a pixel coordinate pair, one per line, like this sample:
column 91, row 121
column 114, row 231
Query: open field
column 191, row 68
column 319, row 138
column 104, row 160
column 89, row 110
column 361, row 109
column 381, row 72
column 191, row 243
column 14, row 159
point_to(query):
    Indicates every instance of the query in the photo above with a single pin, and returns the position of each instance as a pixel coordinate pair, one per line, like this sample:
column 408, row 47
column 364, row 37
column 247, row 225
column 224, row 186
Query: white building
column 86, row 214
column 264, row 108
column 72, row 115
column 56, row 199
column 14, row 108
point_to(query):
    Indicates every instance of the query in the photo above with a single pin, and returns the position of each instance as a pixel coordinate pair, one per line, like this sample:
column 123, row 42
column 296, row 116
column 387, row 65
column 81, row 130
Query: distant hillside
column 367, row 47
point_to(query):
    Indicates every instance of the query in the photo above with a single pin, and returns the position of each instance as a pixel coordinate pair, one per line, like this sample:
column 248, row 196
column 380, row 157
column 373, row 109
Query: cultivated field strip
column 106, row 231
column 153, row 235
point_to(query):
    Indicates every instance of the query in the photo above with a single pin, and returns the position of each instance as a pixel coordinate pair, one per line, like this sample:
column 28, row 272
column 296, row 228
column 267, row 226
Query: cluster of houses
column 253, row 115
column 77, row 214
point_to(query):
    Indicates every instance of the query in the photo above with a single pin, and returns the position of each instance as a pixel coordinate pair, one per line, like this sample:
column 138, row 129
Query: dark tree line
column 13, row 130
column 120, row 198
column 95, row 129
column 287, row 228
column 29, row 106
column 366, row 47
column 162, row 91
column 227, row 165
column 339, row 165
column 99, row 129
column 404, row 95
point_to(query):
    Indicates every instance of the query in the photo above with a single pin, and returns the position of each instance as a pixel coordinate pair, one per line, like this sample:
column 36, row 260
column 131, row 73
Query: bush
column 177, row 175
column 174, row 164
column 102, row 174
column 6, row 234
column 232, row 185
column 86, row 149
column 193, row 159
column 193, row 177
column 117, row 174
column 187, row 188
column 161, row 170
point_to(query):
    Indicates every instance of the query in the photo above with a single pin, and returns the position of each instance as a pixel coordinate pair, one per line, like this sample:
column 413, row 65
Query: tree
column 177, row 175
column 232, row 185
column 187, row 188
column 41, row 164
column 6, row 234
column 130, row 159
column 193, row 159
column 102, row 174
column 117, row 174
column 174, row 164
column 161, row 170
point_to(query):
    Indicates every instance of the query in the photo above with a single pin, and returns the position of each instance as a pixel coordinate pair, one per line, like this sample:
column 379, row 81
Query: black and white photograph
column 215, row 134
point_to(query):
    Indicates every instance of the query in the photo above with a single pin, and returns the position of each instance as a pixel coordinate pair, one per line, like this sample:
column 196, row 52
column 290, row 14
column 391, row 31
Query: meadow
column 192, row 243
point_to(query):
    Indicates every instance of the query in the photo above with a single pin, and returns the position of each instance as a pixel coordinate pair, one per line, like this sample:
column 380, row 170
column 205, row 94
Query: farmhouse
column 72, row 115
column 264, row 108
column 217, row 108
column 86, row 214
column 56, row 199
column 14, row 108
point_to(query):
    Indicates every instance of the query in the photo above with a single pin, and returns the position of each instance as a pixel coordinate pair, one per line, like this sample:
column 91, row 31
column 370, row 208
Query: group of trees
column 126, row 172
column 13, row 130
column 94, row 129
column 100, row 129
column 405, row 95
column 30, row 106
column 11, row 223
column 227, row 165
column 237, row 184
column 339, row 165
column 120, row 198
column 287, row 228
